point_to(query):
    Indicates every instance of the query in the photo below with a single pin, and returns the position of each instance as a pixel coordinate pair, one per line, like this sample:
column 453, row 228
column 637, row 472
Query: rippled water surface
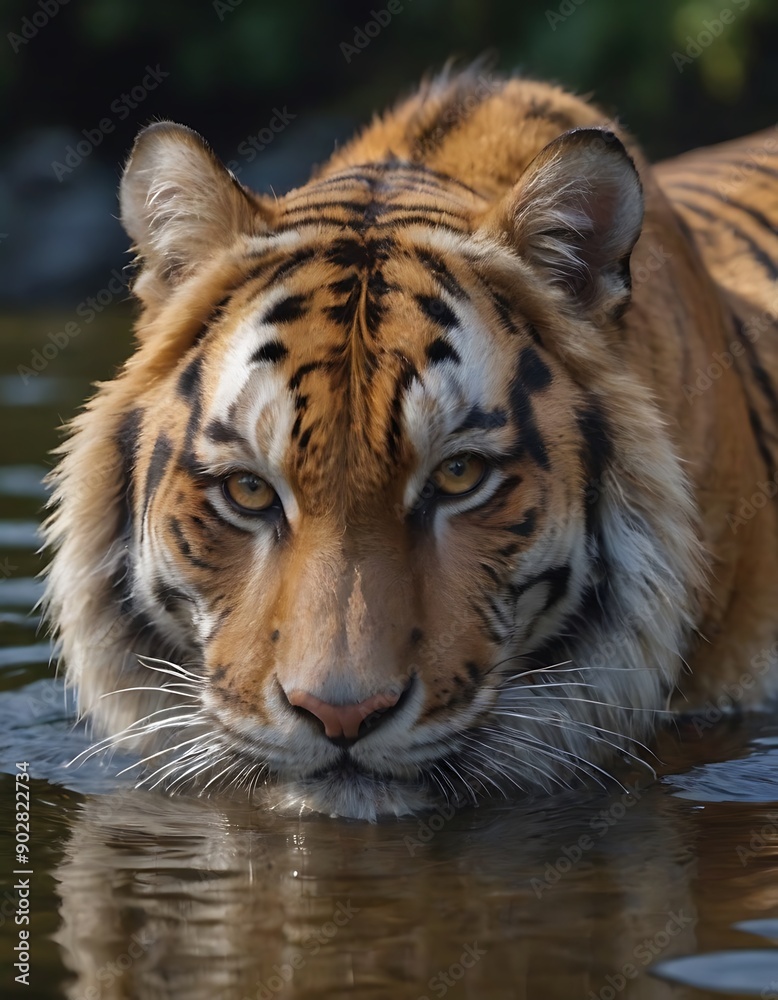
column 666, row 890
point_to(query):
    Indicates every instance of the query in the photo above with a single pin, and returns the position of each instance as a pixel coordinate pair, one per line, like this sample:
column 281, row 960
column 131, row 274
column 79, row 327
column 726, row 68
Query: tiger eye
column 249, row 492
column 459, row 474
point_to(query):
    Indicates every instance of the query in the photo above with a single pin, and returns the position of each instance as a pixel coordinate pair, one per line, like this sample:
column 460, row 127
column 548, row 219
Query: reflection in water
column 188, row 898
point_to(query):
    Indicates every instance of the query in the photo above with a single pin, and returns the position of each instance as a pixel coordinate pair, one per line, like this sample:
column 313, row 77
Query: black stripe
column 416, row 208
column 526, row 526
column 407, row 167
column 345, row 312
column 529, row 439
column 405, row 377
column 160, row 459
column 433, row 263
column 488, row 626
column 542, row 109
column 188, row 384
column 189, row 388
column 272, row 352
column 502, row 307
column 280, row 269
column 303, row 370
column 759, row 254
column 286, row 310
column 127, row 439
column 218, row 432
column 457, row 106
column 215, row 315
column 745, row 166
column 436, row 309
column 424, row 220
column 761, row 441
column 372, row 210
column 375, row 309
column 533, row 371
column 759, row 217
column 310, row 204
column 351, row 252
column 441, row 350
column 759, row 372
column 358, row 225
column 183, row 545
column 558, row 579
column 597, row 448
column 482, row 420
column 169, row 598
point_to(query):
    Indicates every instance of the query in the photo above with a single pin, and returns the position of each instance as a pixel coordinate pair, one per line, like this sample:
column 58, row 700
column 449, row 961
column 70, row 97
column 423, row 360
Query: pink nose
column 343, row 721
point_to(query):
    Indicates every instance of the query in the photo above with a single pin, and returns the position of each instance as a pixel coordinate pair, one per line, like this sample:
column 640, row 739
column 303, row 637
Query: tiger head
column 377, row 511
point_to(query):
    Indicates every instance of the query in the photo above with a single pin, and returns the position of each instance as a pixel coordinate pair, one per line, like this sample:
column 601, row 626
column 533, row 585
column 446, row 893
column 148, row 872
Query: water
column 666, row 890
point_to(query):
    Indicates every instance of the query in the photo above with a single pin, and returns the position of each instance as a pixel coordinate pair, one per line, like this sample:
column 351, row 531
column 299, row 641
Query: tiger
column 445, row 476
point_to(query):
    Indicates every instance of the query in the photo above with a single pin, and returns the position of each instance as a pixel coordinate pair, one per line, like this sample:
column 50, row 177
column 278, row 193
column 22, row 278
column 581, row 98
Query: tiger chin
column 406, row 492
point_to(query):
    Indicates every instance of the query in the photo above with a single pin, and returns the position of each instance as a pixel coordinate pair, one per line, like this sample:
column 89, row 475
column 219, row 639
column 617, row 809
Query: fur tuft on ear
column 575, row 215
column 180, row 205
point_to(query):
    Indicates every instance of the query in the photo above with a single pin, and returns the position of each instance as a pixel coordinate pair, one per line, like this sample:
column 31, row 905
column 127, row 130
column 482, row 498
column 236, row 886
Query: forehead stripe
column 436, row 310
column 286, row 310
column 440, row 350
column 533, row 371
column 160, row 459
column 441, row 273
column 272, row 352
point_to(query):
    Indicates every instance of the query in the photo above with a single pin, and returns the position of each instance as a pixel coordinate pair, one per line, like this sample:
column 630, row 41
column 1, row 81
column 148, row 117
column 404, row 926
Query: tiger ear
column 575, row 215
column 180, row 205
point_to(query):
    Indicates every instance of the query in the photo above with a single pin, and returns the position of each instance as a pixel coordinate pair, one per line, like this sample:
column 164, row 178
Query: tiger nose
column 342, row 723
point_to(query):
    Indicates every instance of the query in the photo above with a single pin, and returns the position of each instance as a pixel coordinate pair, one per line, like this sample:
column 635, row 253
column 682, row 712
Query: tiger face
column 383, row 498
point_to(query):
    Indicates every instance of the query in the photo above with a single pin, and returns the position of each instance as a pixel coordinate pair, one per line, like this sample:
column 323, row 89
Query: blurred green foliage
column 231, row 61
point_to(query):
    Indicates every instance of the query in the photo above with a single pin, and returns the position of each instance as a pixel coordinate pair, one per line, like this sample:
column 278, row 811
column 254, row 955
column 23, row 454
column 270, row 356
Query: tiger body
column 446, row 304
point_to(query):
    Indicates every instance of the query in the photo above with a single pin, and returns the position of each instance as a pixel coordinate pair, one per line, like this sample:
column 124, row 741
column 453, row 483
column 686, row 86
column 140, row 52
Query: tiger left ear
column 180, row 206
column 575, row 215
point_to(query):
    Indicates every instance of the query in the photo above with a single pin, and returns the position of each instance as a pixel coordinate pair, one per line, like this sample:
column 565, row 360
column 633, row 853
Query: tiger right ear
column 574, row 217
column 180, row 206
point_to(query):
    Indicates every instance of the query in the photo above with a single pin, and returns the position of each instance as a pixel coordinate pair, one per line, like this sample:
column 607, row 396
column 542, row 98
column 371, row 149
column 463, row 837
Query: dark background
column 231, row 64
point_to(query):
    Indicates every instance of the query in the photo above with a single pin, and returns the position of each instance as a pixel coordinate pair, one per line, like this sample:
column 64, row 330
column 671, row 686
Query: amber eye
column 459, row 474
column 249, row 492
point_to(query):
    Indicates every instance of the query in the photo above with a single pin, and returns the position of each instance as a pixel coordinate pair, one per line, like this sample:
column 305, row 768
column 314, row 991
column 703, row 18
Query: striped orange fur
column 451, row 471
